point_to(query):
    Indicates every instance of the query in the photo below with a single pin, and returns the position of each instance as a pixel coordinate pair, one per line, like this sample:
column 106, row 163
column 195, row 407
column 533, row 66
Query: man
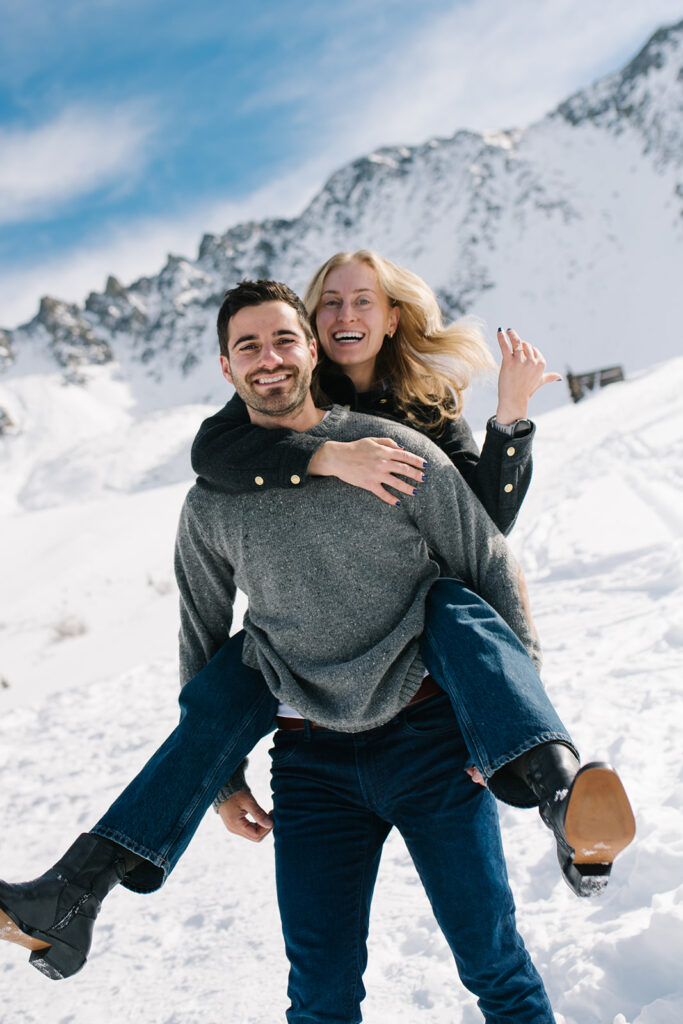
column 337, row 583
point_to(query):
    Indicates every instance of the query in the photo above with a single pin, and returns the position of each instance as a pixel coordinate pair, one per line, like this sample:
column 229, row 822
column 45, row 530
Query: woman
column 142, row 835
column 418, row 379
column 384, row 350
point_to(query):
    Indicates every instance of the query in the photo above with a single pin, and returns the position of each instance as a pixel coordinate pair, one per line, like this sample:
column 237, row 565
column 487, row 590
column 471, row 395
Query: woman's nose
column 346, row 312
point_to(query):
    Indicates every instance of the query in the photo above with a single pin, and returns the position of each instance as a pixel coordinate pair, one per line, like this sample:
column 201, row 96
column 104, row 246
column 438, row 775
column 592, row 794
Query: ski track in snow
column 600, row 539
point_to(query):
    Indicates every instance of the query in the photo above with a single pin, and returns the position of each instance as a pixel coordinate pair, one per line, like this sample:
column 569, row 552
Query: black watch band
column 515, row 429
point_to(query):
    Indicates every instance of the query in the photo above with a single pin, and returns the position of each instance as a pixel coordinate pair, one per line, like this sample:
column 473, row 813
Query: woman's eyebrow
column 333, row 291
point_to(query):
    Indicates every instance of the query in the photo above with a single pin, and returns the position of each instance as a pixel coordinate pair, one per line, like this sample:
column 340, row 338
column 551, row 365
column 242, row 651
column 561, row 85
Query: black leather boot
column 55, row 914
column 587, row 810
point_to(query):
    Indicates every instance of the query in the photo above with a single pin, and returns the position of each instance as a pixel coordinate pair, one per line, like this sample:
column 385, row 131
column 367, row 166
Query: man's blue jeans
column 336, row 798
column 227, row 708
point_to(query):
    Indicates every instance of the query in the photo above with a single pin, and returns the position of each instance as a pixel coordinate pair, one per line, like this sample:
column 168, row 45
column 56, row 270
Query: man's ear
column 225, row 369
column 313, row 348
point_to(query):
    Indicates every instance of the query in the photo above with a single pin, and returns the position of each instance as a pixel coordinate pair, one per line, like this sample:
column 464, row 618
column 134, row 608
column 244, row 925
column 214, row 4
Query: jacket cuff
column 500, row 436
column 292, row 469
column 510, row 453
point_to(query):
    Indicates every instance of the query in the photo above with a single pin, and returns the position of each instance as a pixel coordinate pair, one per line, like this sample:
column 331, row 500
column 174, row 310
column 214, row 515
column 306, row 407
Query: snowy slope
column 81, row 486
column 600, row 538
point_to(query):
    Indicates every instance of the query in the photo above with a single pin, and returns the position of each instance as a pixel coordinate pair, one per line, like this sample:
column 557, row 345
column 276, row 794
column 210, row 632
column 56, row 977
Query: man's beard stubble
column 276, row 403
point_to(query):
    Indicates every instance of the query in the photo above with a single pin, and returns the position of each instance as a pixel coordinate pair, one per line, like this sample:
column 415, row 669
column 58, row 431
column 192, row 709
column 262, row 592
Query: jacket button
column 382, row 401
column 508, row 488
column 258, row 480
column 511, row 450
column 294, row 479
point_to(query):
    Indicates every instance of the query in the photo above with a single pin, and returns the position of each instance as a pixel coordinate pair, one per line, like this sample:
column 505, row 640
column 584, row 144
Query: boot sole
column 11, row 931
column 599, row 822
column 56, row 960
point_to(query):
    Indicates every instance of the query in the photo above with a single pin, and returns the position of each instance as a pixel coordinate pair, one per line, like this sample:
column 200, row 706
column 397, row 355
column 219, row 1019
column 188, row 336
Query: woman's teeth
column 347, row 337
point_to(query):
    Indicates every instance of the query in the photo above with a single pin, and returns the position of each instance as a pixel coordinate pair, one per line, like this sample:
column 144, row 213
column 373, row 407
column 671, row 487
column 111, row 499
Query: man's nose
column 270, row 358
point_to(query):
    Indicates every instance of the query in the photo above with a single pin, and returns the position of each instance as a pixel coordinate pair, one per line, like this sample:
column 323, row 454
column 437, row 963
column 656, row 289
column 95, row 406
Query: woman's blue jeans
column 499, row 700
column 226, row 709
column 336, row 797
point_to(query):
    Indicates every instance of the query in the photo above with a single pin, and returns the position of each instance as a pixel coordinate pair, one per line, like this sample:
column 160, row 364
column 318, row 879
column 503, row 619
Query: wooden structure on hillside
column 580, row 383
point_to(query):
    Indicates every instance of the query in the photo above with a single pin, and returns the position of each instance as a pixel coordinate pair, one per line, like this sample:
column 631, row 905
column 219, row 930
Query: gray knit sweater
column 336, row 580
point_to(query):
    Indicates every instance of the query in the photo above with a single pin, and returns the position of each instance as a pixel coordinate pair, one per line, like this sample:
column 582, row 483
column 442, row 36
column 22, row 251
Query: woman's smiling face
column 352, row 319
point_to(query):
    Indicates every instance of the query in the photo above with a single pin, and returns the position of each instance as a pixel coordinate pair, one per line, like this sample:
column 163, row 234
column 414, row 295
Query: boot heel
column 56, row 913
column 57, row 962
column 586, row 879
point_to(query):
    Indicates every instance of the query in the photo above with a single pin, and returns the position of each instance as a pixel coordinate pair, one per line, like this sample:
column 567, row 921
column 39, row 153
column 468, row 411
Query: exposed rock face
column 645, row 96
column 6, row 422
column 6, row 351
column 73, row 339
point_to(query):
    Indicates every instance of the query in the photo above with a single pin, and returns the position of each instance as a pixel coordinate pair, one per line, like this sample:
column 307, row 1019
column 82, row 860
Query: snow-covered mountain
column 570, row 229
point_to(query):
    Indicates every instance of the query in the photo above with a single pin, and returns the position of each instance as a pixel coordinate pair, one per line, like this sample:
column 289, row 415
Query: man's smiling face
column 270, row 360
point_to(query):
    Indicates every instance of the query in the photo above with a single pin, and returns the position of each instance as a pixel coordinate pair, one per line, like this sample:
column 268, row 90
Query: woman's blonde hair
column 428, row 363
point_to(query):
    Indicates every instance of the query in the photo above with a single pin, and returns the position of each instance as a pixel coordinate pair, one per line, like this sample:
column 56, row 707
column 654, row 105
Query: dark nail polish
column 398, row 503
column 500, row 330
column 414, row 490
column 425, row 464
column 424, row 477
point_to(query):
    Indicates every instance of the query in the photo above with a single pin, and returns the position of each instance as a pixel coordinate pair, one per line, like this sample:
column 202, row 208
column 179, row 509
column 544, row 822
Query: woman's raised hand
column 371, row 463
column 522, row 373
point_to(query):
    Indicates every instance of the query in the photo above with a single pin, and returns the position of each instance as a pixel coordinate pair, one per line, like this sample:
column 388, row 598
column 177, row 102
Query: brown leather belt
column 428, row 688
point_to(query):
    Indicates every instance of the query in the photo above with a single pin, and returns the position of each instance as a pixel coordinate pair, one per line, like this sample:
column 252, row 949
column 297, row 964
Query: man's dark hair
column 255, row 293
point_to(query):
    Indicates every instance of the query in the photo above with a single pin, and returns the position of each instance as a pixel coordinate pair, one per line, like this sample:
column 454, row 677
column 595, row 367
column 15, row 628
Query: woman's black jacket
column 231, row 454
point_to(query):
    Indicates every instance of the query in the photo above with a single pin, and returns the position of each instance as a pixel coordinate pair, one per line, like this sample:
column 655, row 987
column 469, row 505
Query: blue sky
column 129, row 128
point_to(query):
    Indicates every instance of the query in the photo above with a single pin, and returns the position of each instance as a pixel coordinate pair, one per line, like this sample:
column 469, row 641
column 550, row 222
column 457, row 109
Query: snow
column 87, row 622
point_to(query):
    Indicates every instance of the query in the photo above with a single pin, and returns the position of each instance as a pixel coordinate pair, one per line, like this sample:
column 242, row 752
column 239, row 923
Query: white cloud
column 483, row 64
column 82, row 149
column 140, row 246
